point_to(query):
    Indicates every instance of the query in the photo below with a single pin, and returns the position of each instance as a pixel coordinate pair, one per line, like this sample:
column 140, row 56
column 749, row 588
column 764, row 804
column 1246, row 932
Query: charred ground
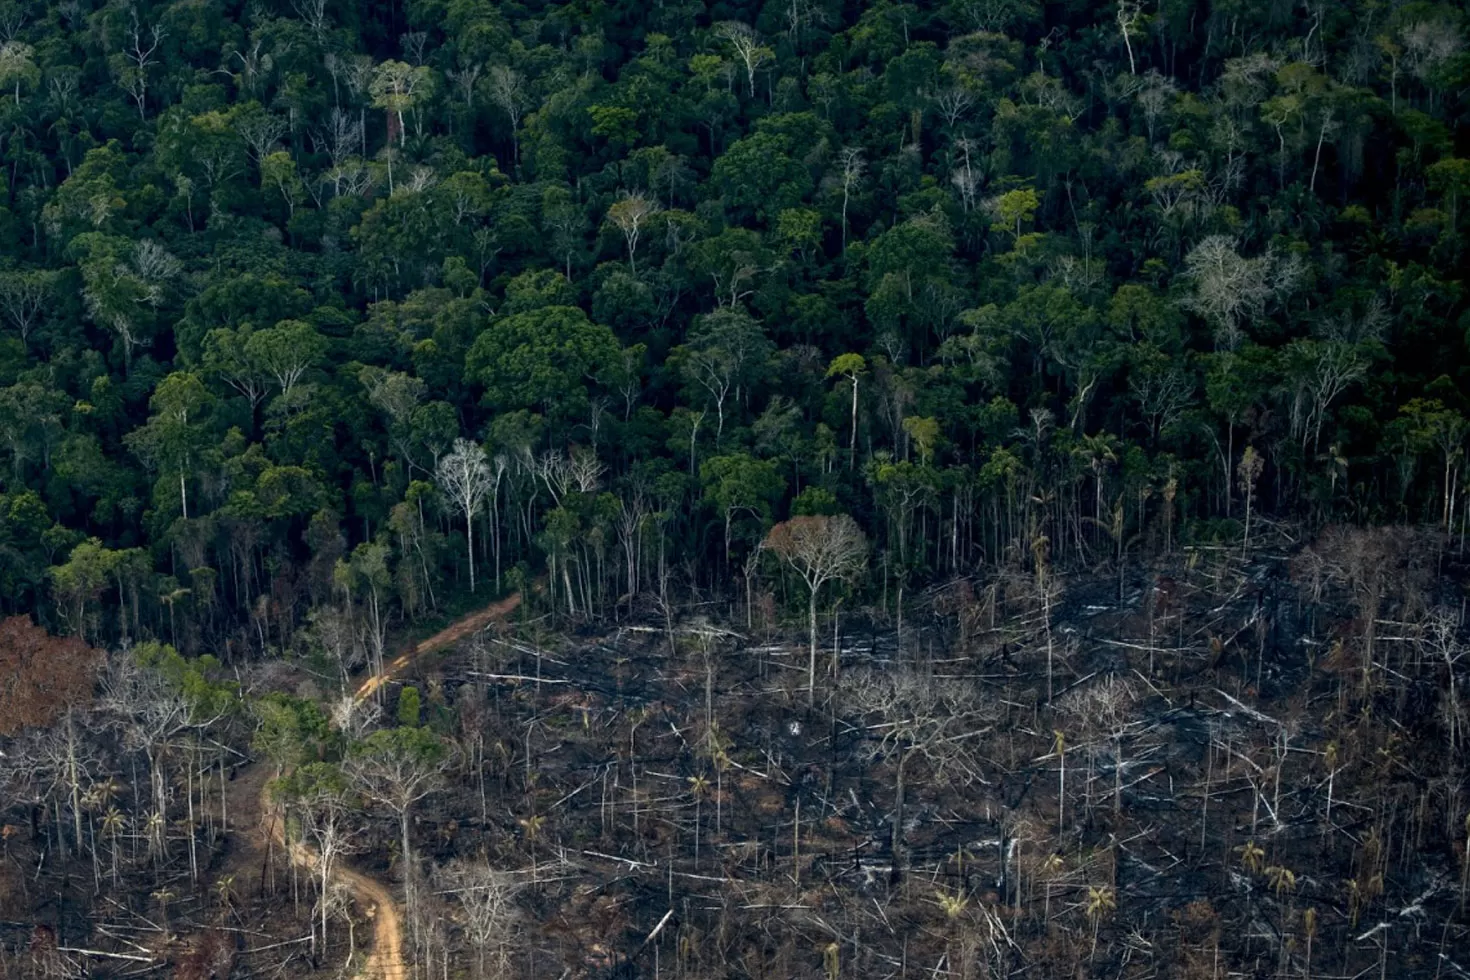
column 1218, row 764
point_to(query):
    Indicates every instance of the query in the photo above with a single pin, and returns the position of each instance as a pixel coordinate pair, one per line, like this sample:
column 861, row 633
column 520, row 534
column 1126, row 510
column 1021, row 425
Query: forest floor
column 251, row 807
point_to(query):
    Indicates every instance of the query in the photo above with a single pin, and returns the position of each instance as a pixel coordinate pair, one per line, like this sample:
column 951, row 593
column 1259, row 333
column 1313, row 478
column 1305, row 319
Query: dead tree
column 41, row 675
column 486, row 899
column 320, row 794
column 923, row 719
column 1106, row 706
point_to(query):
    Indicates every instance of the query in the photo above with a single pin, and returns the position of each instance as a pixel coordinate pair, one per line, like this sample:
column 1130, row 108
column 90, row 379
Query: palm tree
column 1100, row 451
column 699, row 786
column 224, row 893
column 1100, row 901
column 113, row 824
column 1283, row 882
column 1251, row 856
column 163, row 896
column 532, row 826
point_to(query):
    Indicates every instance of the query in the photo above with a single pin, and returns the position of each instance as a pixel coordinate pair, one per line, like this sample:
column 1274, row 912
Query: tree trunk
column 896, row 840
column 469, row 544
column 811, row 667
column 407, row 852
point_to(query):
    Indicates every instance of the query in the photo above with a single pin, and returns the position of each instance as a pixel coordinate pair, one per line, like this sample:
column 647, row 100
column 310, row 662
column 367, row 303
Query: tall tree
column 398, row 767
column 465, row 478
column 820, row 549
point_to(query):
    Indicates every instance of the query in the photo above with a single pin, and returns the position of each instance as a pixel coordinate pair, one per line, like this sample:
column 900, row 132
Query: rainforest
column 812, row 488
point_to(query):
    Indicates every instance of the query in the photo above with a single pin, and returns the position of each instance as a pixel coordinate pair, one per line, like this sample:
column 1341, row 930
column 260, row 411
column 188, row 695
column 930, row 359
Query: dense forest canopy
column 976, row 273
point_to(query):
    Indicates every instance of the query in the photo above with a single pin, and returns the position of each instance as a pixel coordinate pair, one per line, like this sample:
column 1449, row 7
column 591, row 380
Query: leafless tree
column 629, row 215
column 1230, row 289
column 1105, row 706
column 23, row 295
column 324, row 813
column 412, row 44
column 465, row 477
column 156, row 268
column 486, row 898
column 923, row 719
column 1155, row 95
column 802, row 14
column 1442, row 640
column 150, row 715
column 820, row 549
column 509, row 93
column 331, row 629
column 1324, row 369
column 70, row 762
column 313, row 14
column 747, row 44
column 355, row 718
column 1163, row 394
column 465, row 79
column 1129, row 13
column 953, row 103
column 138, row 56
column 397, row 768
column 853, row 165
column 260, row 131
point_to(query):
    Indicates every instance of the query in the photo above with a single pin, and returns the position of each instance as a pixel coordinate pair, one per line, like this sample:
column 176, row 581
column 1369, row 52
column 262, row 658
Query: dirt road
column 386, row 960
column 448, row 636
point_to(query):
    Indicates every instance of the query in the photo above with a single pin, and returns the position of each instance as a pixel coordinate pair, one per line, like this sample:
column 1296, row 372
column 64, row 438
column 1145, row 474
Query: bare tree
column 852, row 172
column 1230, row 289
column 465, row 79
column 487, row 898
column 465, row 476
column 355, row 718
column 1156, row 93
column 745, row 41
column 321, row 798
column 23, row 295
column 1129, row 14
column 820, row 549
column 331, row 629
column 1323, row 369
column 953, row 103
column 508, row 91
column 142, row 44
column 629, row 214
column 68, row 763
column 151, row 714
column 313, row 14
column 965, row 178
column 259, row 131
column 1107, row 706
column 923, row 718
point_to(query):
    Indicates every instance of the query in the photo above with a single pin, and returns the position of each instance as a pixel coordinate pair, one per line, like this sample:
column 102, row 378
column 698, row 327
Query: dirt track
column 448, row 636
column 386, row 960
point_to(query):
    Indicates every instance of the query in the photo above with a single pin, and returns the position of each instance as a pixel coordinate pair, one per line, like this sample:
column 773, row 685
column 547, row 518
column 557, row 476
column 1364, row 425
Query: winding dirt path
column 386, row 960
